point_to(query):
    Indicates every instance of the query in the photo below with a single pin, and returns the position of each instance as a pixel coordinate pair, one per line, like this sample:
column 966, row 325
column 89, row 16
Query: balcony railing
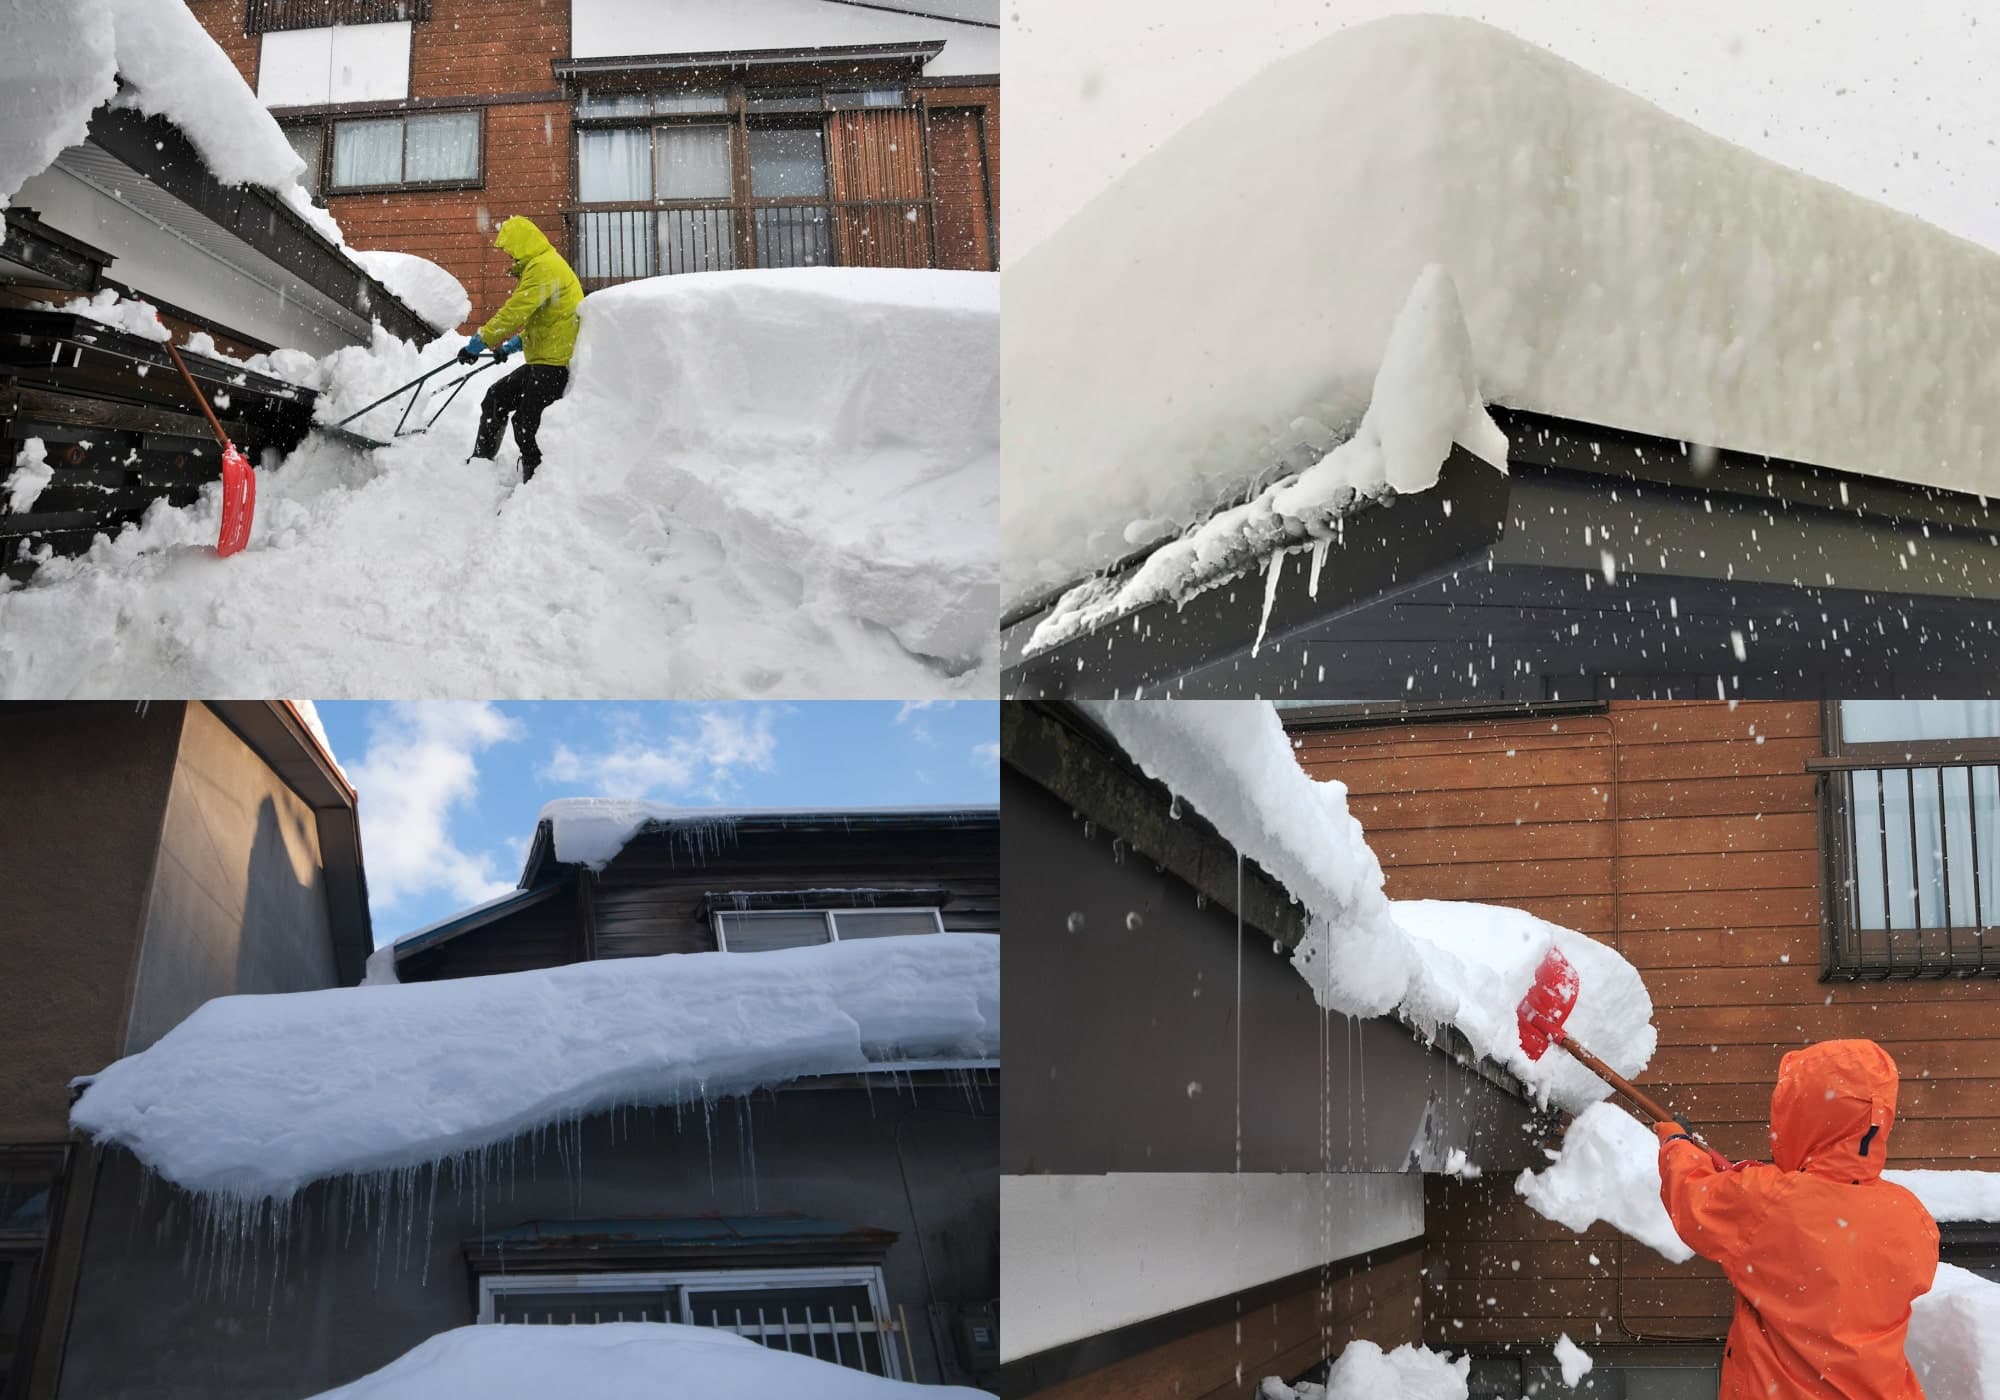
column 622, row 243
column 1913, row 867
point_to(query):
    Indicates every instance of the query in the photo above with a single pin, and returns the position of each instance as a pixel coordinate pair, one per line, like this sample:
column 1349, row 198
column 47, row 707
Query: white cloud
column 986, row 755
column 701, row 756
column 920, row 731
column 421, row 766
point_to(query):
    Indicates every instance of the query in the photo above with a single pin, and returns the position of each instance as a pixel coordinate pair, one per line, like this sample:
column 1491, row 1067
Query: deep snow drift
column 593, row 830
column 619, row 1361
column 1434, row 962
column 759, row 484
column 1615, row 264
column 253, row 1097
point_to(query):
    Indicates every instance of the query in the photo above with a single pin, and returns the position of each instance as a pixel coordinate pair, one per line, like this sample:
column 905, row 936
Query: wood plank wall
column 1685, row 835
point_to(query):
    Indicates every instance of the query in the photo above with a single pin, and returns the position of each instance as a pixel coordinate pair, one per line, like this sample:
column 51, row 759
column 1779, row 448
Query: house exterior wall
column 83, row 789
column 604, row 28
column 915, row 1161
column 1687, row 837
column 497, row 54
column 238, row 902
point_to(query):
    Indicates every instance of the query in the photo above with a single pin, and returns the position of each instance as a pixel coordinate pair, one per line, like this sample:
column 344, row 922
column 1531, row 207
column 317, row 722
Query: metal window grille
column 1913, row 866
column 832, row 1314
column 817, row 177
column 763, row 930
column 268, row 16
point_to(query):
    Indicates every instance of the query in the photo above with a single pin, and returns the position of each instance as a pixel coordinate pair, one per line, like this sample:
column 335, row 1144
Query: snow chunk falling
column 1363, row 1371
column 253, row 1097
column 1609, row 1170
column 1438, row 963
column 1426, row 398
column 31, row 475
column 620, row 1361
column 1573, row 1359
column 1617, row 265
column 419, row 283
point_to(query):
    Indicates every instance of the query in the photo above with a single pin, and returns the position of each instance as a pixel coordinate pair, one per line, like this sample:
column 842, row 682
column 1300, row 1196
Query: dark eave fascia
column 276, row 732
column 53, row 253
column 628, row 65
column 479, row 916
column 1381, row 714
column 160, row 151
column 1059, row 747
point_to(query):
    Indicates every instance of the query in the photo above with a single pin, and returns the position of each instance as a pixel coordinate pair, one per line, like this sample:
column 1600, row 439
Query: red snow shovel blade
column 1547, row 1005
column 239, row 501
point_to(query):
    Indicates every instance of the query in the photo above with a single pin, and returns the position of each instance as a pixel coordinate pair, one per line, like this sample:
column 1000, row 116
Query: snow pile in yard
column 1953, row 1195
column 843, row 422
column 593, row 830
column 759, row 484
column 619, row 1361
column 1954, row 1340
column 1437, row 963
column 1426, row 398
column 31, row 474
column 419, row 284
column 1363, row 1371
column 1615, row 264
column 252, row 1097
column 1609, row 1170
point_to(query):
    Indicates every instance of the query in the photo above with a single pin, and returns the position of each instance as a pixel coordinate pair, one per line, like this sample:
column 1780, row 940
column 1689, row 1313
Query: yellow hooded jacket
column 543, row 307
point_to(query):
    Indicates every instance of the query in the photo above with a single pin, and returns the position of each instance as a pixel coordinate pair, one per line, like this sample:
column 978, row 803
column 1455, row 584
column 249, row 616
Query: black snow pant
column 523, row 395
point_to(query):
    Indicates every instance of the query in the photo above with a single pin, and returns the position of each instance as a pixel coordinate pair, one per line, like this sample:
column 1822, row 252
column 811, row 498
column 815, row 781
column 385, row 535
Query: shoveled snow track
column 710, row 519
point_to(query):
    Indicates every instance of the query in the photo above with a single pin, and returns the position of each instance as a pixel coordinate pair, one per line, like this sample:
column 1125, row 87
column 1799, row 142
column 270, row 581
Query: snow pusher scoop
column 239, row 482
column 343, row 432
column 1540, row 1018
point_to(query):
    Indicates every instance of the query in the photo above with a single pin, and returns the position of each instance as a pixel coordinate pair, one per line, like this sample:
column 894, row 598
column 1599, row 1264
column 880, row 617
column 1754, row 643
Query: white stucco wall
column 1085, row 1254
column 608, row 28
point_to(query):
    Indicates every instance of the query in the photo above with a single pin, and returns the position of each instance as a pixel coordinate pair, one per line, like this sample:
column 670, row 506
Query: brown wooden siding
column 965, row 175
column 548, row 934
column 1377, row 1297
column 1686, row 836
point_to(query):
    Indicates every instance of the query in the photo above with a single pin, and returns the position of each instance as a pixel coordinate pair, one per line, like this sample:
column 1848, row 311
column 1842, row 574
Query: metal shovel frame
column 412, row 389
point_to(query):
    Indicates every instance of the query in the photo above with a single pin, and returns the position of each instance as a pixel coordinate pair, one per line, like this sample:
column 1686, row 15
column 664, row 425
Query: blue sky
column 449, row 792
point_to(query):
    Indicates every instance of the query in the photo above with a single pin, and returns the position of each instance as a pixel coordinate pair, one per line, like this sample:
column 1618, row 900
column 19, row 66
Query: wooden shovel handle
column 200, row 398
column 1653, row 1107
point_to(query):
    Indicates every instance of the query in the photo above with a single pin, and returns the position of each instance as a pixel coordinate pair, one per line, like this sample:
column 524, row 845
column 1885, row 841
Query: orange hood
column 1832, row 1110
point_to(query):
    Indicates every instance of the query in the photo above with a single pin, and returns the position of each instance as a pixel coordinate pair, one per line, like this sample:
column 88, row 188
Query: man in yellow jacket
column 538, row 320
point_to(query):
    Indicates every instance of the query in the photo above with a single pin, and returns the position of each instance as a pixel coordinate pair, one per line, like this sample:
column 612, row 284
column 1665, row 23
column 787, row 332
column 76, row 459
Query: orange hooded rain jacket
column 1825, row 1256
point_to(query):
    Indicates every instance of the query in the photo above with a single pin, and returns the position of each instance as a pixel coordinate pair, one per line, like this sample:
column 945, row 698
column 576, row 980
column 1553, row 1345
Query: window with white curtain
column 408, row 149
column 1912, row 812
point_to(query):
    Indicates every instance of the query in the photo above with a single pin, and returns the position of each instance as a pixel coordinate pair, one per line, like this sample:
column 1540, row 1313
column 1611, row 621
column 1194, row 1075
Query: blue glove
column 473, row 349
column 506, row 348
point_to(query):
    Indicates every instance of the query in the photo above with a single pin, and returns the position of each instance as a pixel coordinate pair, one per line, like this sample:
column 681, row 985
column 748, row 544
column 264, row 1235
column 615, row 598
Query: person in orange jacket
column 1825, row 1256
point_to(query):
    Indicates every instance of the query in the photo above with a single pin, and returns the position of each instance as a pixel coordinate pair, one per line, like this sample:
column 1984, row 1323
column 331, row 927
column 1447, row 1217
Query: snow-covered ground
column 773, row 483
column 620, row 1361
column 1615, row 265
column 253, row 1097
column 1433, row 962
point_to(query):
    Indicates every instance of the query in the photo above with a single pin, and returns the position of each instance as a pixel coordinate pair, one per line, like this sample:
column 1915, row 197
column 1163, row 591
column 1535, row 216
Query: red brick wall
column 468, row 48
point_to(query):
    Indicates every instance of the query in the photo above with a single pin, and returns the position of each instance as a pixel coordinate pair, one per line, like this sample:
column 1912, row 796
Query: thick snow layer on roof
column 1953, row 1195
column 593, row 830
column 419, row 283
column 758, row 484
column 1609, row 1170
column 52, row 77
column 1363, row 1371
column 1616, row 265
column 1435, row 963
column 1425, row 399
column 253, row 1097
column 620, row 1361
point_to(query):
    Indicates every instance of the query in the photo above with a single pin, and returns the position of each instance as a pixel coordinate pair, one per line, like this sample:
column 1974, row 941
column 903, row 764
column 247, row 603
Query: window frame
column 741, row 115
column 37, row 1250
column 1843, row 957
column 329, row 120
column 685, row 1281
column 829, row 916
